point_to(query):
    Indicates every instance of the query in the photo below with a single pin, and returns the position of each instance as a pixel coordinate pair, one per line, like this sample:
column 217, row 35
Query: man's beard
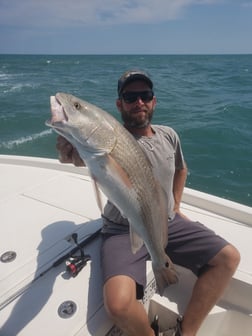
column 131, row 120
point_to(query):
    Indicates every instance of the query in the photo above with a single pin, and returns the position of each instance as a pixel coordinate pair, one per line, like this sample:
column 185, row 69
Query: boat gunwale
column 220, row 206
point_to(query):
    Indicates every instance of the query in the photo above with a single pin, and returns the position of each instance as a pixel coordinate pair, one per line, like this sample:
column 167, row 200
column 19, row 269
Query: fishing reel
column 75, row 263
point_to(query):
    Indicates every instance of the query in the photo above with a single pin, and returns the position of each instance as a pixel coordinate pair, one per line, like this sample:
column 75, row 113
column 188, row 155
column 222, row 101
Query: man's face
column 137, row 104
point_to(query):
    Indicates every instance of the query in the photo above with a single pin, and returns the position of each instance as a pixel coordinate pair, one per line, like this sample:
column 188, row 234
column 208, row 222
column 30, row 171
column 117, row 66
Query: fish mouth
column 58, row 113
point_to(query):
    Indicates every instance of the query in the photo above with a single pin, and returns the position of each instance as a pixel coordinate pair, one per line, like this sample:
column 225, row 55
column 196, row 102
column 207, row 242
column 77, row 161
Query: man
column 214, row 261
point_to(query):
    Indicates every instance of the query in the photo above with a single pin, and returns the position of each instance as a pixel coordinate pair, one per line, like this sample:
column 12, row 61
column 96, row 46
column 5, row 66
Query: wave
column 29, row 138
column 4, row 76
column 19, row 87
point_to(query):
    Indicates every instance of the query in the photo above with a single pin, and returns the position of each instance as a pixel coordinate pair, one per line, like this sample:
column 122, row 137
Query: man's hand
column 67, row 153
column 181, row 214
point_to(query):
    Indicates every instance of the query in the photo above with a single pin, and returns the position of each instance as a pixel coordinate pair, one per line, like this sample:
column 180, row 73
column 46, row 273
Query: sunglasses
column 132, row 96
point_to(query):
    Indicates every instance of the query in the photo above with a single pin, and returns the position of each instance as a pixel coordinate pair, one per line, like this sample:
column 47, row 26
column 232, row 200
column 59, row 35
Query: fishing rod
column 74, row 264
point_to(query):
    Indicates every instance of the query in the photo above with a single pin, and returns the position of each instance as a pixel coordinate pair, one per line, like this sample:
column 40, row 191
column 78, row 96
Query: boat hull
column 42, row 203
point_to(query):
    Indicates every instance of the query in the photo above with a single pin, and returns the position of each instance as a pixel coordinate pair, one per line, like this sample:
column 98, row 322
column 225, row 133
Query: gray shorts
column 190, row 244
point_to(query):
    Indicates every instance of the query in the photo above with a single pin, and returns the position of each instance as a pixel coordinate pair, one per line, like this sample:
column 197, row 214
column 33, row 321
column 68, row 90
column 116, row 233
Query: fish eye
column 77, row 105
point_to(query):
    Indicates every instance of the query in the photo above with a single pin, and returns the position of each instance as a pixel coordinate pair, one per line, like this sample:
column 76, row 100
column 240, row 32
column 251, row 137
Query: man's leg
column 209, row 287
column 122, row 306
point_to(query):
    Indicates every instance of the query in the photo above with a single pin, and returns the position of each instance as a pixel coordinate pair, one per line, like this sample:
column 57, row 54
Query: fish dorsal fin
column 136, row 240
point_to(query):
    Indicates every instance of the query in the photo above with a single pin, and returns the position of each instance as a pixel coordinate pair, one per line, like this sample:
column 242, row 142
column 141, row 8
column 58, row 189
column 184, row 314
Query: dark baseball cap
column 131, row 76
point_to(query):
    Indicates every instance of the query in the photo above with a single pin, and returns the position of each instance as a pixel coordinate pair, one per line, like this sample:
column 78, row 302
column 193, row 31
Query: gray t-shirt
column 164, row 152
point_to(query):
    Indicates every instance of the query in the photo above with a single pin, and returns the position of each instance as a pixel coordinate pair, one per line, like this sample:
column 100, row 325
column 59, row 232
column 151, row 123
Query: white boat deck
column 42, row 202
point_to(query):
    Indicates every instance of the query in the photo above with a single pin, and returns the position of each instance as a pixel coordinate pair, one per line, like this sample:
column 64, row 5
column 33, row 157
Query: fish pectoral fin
column 136, row 240
column 98, row 195
column 118, row 171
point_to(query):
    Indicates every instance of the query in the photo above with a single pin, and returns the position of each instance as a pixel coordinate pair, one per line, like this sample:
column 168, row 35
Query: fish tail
column 165, row 275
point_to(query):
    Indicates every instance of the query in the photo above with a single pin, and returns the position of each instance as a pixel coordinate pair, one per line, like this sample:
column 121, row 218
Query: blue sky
column 126, row 26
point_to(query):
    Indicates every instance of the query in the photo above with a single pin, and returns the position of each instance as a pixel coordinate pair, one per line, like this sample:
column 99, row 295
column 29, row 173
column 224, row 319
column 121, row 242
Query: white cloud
column 78, row 12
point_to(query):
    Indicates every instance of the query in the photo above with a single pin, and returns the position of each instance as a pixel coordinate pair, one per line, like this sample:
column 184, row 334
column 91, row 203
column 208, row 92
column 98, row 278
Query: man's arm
column 178, row 186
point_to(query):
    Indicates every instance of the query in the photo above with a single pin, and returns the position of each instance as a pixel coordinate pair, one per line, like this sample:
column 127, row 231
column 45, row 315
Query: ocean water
column 206, row 99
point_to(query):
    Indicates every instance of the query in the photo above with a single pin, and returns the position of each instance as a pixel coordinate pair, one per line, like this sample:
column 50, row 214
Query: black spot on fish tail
column 165, row 275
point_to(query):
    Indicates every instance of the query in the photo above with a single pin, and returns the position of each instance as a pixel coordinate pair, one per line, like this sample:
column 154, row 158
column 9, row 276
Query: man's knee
column 228, row 258
column 117, row 307
column 119, row 293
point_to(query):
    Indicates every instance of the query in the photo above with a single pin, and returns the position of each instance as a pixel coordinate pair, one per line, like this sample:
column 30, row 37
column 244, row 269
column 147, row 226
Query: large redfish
column 123, row 172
